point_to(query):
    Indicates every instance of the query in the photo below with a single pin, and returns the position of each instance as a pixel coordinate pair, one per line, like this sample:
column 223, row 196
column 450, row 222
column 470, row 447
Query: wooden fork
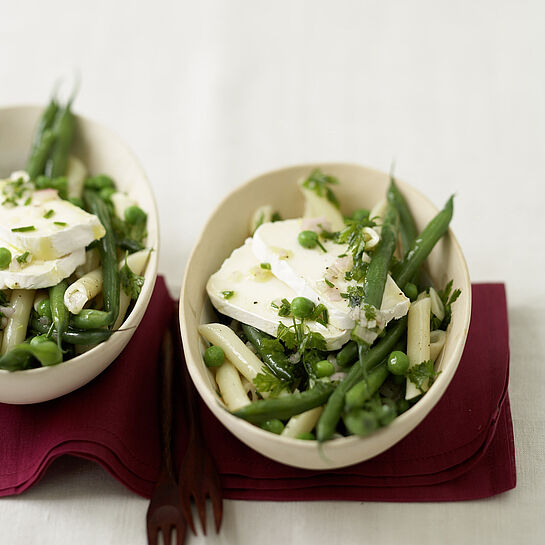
column 198, row 478
column 165, row 509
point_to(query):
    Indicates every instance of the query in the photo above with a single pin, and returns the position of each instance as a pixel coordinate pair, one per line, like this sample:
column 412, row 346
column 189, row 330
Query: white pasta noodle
column 76, row 172
column 320, row 207
column 302, row 423
column 248, row 364
column 39, row 296
column 437, row 341
column 231, row 388
column 83, row 290
column 263, row 214
column 437, row 307
column 418, row 339
column 137, row 264
column 90, row 285
column 121, row 202
column 15, row 331
column 92, row 261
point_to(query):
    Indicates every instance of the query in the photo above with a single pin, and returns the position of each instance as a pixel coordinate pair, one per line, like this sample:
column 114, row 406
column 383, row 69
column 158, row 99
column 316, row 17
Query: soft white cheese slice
column 303, row 269
column 67, row 229
column 37, row 273
column 254, row 290
column 306, row 271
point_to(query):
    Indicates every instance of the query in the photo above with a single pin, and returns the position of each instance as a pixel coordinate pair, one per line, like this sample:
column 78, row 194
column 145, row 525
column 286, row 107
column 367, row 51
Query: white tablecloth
column 211, row 93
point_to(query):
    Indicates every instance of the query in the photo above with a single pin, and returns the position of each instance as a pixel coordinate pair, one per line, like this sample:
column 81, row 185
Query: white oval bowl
column 102, row 152
column 227, row 228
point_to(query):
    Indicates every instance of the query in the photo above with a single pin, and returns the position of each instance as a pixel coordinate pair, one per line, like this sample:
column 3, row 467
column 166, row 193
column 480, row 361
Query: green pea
column 214, row 356
column 301, row 307
column 398, row 362
column 323, row 368
column 402, row 405
column 360, row 214
column 306, row 436
column 308, row 239
column 43, row 308
column 39, row 339
column 5, row 258
column 106, row 193
column 386, row 413
column 99, row 182
column 411, row 291
column 274, row 426
column 134, row 215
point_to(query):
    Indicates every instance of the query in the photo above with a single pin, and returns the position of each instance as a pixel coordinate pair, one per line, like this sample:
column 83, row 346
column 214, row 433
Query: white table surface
column 211, row 93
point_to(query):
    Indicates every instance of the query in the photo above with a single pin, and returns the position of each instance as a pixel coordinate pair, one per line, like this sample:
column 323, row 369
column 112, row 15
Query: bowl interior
column 227, row 228
column 102, row 152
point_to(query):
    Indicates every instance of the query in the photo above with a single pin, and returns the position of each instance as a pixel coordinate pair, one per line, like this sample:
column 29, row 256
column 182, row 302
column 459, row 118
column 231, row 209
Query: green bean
column 37, row 161
column 423, row 245
column 64, row 129
column 108, row 255
column 59, row 312
column 348, row 354
column 361, row 422
column 375, row 279
column 277, row 362
column 89, row 318
column 365, row 388
column 88, row 337
column 43, row 140
column 20, row 356
column 332, row 412
column 407, row 227
column 284, row 407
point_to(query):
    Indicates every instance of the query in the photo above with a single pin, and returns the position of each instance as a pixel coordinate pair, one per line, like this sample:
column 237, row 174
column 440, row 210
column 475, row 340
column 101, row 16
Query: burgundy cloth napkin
column 462, row 450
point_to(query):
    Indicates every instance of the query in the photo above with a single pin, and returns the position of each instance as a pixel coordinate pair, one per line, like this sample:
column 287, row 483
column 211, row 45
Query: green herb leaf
column 48, row 214
column 287, row 336
column 422, row 375
column 267, row 382
column 227, row 294
column 266, row 266
column 23, row 257
column 319, row 183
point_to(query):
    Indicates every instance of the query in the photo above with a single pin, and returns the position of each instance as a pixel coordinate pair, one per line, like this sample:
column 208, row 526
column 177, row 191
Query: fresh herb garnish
column 60, row 223
column 422, row 375
column 24, row 229
column 267, row 382
column 48, row 214
column 227, row 294
column 447, row 297
column 266, row 266
column 354, row 295
column 329, row 283
column 23, row 257
column 319, row 183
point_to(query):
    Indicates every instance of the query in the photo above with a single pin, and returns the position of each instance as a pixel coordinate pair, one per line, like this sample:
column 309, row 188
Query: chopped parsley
column 319, row 183
column 354, row 294
column 28, row 201
column 267, row 382
column 422, row 375
column 447, row 296
column 266, row 266
column 227, row 294
column 23, row 258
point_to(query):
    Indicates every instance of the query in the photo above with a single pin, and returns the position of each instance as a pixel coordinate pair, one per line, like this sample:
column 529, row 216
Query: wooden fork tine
column 153, row 531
